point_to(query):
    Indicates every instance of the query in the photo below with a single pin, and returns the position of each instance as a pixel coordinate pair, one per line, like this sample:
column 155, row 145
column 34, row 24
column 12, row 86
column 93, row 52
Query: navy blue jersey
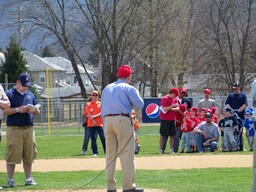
column 229, row 122
column 16, row 100
column 221, row 124
column 236, row 101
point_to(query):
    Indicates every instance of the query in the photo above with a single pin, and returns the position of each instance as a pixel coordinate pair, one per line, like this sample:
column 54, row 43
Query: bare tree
column 228, row 31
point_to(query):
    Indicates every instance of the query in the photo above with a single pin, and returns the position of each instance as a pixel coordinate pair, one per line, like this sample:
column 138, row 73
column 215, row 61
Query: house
column 55, row 76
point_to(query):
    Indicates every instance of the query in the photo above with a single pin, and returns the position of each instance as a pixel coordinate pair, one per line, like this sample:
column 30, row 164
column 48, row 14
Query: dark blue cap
column 24, row 79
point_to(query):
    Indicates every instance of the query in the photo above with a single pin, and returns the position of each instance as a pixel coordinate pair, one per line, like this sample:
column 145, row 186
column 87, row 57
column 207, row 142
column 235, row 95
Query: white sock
column 28, row 179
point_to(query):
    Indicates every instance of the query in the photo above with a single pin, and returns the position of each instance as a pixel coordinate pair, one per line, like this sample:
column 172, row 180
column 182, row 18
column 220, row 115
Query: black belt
column 121, row 114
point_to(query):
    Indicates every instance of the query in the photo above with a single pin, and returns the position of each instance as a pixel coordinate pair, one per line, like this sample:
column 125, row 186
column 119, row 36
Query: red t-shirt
column 194, row 122
column 165, row 102
column 179, row 118
column 186, row 127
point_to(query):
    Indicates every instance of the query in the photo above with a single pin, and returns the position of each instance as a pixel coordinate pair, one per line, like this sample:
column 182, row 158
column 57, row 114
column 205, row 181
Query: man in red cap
column 117, row 101
column 169, row 106
column 206, row 103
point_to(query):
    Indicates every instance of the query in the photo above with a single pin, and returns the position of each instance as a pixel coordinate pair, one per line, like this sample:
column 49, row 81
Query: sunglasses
column 95, row 95
column 208, row 117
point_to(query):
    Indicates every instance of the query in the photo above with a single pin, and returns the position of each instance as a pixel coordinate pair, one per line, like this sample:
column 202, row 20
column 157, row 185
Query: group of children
column 189, row 120
column 230, row 125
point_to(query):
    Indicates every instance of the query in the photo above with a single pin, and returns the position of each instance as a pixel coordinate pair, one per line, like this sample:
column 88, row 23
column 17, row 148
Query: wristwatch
column 17, row 110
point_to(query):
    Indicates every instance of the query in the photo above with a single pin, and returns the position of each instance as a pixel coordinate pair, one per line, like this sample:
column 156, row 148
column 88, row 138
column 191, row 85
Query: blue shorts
column 167, row 128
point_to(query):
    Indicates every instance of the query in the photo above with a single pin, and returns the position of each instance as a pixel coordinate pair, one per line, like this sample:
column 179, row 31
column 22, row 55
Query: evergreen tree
column 47, row 52
column 14, row 62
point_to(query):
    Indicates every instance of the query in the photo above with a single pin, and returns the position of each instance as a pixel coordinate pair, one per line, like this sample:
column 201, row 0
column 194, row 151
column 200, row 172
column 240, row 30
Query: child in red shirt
column 194, row 122
column 214, row 116
column 202, row 115
column 186, row 129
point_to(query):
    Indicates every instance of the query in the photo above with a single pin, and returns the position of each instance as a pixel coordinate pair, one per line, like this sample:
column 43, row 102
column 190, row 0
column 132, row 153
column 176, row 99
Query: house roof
column 66, row 64
column 37, row 63
column 65, row 92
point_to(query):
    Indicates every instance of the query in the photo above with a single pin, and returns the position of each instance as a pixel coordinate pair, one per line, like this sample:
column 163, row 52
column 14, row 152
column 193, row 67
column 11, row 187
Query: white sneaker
column 94, row 155
column 1, row 187
column 161, row 151
column 30, row 182
column 172, row 152
column 83, row 152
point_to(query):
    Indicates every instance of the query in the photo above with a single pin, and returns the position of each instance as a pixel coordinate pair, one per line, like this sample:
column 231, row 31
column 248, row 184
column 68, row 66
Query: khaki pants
column 120, row 139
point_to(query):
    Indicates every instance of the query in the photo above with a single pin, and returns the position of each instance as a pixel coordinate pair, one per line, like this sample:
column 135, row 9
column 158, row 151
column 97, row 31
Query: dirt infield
column 143, row 163
column 160, row 162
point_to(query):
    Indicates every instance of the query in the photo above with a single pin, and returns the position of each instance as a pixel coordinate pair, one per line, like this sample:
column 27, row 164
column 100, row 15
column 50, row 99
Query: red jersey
column 215, row 119
column 166, row 101
column 194, row 122
column 186, row 126
column 179, row 118
column 201, row 119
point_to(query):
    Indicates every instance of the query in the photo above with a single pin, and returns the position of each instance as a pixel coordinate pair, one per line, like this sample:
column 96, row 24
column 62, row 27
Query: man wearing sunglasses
column 206, row 134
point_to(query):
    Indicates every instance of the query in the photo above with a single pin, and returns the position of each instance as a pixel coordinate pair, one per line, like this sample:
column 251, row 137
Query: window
column 74, row 79
column 42, row 77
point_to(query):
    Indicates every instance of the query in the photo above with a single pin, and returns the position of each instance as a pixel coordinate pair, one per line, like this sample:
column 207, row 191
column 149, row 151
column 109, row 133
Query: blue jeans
column 86, row 139
column 100, row 131
column 200, row 139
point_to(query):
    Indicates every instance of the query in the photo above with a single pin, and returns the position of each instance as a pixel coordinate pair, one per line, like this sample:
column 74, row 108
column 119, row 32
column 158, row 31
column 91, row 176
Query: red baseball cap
column 207, row 91
column 183, row 107
column 183, row 90
column 175, row 91
column 194, row 109
column 124, row 71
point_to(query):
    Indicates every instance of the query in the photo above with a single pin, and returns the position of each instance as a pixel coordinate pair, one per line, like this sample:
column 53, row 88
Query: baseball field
column 60, row 167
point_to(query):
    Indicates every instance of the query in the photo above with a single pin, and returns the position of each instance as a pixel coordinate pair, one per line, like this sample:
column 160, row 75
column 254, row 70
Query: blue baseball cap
column 24, row 79
column 248, row 112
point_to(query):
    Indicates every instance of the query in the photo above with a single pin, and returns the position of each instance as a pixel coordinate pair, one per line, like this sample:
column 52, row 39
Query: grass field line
column 144, row 163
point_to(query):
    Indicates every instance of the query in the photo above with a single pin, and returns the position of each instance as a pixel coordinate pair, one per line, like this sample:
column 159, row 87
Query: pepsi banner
column 151, row 110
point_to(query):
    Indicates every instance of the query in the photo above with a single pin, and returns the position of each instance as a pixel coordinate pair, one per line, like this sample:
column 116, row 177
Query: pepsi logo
column 152, row 110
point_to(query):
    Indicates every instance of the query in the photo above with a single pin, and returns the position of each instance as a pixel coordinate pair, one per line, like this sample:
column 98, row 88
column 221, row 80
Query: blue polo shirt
column 16, row 100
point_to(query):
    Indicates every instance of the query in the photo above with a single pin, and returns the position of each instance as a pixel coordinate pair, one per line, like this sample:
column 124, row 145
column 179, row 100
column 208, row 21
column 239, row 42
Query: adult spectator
column 169, row 107
column 206, row 134
column 206, row 103
column 182, row 99
column 94, row 122
column 118, row 98
column 4, row 103
column 20, row 143
column 237, row 100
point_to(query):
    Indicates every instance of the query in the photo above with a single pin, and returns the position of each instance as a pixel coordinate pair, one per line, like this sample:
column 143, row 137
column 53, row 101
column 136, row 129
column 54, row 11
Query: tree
column 14, row 62
column 228, row 31
column 47, row 52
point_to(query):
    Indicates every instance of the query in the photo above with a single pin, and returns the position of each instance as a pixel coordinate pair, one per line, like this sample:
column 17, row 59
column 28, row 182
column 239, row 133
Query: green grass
column 193, row 180
column 67, row 142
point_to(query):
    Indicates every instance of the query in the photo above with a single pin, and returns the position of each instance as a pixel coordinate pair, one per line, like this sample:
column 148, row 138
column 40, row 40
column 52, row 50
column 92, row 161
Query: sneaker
column 172, row 152
column 10, row 183
column 31, row 182
column 95, row 155
column 1, row 187
column 83, row 152
column 161, row 151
